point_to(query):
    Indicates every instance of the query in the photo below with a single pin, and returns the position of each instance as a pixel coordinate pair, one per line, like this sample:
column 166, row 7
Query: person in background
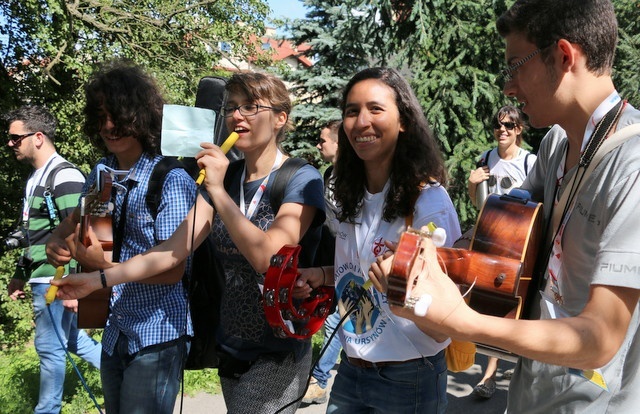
column 146, row 339
column 505, row 166
column 389, row 173
column 317, row 393
column 579, row 350
column 51, row 193
column 260, row 372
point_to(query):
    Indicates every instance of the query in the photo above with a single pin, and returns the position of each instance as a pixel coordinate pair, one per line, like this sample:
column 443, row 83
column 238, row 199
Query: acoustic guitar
column 499, row 262
column 95, row 213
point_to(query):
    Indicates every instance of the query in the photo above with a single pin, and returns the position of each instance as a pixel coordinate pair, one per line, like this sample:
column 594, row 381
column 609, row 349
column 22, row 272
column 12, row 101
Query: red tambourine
column 289, row 317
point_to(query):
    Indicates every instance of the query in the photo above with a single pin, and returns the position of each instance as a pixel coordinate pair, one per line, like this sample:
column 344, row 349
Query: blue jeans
column 418, row 386
column 146, row 382
column 51, row 351
column 328, row 360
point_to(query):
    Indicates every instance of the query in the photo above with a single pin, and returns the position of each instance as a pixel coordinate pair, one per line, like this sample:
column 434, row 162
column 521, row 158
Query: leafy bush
column 20, row 370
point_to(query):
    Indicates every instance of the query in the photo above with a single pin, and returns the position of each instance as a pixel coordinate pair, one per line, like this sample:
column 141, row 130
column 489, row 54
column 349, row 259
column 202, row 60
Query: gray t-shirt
column 600, row 246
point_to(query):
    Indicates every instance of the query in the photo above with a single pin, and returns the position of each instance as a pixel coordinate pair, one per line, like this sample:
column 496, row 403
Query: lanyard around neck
column 248, row 213
column 30, row 191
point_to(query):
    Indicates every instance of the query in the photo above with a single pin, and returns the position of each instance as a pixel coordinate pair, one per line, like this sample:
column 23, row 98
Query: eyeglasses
column 245, row 110
column 16, row 139
column 508, row 73
column 508, row 125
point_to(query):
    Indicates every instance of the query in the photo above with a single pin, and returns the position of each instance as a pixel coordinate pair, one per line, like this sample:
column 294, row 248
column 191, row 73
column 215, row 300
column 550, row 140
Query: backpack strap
column 234, row 169
column 156, row 181
column 51, row 178
column 327, row 174
column 280, row 181
column 288, row 168
column 48, row 194
column 484, row 159
column 526, row 163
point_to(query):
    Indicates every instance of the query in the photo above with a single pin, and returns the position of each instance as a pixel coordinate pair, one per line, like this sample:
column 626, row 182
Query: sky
column 293, row 9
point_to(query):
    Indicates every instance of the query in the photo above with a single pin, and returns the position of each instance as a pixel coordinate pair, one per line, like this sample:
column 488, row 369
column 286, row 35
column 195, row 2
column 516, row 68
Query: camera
column 14, row 240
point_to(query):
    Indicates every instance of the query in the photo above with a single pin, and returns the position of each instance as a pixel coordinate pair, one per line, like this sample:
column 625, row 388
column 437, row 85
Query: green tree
column 337, row 53
column 626, row 75
column 452, row 54
column 49, row 49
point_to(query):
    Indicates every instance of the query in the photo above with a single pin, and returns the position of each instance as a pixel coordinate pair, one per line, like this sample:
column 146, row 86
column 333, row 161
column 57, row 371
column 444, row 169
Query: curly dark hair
column 417, row 158
column 132, row 99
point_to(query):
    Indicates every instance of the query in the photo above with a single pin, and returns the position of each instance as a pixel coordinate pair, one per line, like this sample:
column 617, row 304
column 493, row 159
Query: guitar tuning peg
column 437, row 234
column 419, row 305
column 422, row 305
column 439, row 237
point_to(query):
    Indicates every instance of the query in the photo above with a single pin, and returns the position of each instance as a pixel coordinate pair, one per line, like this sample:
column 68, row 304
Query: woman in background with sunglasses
column 505, row 166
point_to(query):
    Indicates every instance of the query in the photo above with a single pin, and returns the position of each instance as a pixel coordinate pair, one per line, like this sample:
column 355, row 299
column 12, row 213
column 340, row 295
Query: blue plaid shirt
column 148, row 314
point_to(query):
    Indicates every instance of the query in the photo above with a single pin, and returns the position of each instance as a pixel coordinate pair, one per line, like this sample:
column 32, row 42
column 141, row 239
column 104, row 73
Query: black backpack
column 205, row 282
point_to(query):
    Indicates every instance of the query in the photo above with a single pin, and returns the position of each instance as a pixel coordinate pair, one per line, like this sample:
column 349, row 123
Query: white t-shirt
column 372, row 332
column 507, row 174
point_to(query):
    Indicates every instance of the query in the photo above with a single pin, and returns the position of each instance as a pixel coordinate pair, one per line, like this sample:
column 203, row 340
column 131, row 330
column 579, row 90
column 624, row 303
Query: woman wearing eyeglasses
column 505, row 166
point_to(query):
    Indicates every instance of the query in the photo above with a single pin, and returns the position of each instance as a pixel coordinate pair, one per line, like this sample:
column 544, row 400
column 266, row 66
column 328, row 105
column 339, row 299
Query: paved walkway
column 459, row 389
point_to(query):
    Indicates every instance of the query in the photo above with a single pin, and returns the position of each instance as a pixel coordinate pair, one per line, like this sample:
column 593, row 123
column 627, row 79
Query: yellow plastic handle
column 51, row 293
column 225, row 147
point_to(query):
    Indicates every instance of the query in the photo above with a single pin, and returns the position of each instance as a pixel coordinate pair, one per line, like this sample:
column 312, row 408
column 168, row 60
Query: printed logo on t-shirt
column 378, row 247
column 365, row 320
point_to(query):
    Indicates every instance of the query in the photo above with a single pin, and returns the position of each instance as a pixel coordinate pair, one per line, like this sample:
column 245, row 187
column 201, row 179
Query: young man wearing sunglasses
column 505, row 166
column 51, row 194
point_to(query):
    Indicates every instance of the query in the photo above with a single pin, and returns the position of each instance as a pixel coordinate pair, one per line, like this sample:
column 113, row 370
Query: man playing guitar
column 146, row 337
column 579, row 353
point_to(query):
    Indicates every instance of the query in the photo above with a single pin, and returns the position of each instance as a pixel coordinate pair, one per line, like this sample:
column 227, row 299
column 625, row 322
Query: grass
column 20, row 373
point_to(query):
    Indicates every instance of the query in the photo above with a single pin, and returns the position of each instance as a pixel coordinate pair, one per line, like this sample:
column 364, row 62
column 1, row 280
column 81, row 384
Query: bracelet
column 324, row 276
column 103, row 278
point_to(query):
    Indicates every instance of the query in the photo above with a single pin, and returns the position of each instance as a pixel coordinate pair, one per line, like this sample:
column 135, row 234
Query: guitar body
column 499, row 262
column 508, row 233
column 93, row 309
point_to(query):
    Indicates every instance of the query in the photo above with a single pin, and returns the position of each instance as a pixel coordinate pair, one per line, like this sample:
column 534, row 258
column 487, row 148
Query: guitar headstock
column 97, row 202
column 436, row 234
column 403, row 277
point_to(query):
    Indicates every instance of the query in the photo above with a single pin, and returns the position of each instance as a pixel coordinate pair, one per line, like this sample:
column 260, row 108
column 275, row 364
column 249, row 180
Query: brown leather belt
column 361, row 363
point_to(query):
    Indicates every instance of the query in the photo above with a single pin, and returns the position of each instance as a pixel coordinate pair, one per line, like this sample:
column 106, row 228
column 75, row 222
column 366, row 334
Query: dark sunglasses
column 16, row 139
column 509, row 125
